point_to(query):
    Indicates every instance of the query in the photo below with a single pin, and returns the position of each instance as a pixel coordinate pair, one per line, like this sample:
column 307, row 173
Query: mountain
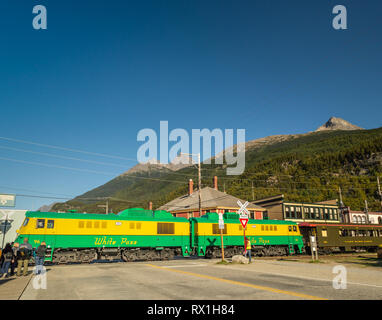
column 47, row 207
column 305, row 167
column 179, row 162
column 338, row 124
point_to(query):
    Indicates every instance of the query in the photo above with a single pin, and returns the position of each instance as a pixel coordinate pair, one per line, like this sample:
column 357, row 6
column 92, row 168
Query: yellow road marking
column 291, row 293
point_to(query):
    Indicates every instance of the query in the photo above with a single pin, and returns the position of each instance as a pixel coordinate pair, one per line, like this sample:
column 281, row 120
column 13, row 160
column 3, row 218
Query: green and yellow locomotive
column 138, row 234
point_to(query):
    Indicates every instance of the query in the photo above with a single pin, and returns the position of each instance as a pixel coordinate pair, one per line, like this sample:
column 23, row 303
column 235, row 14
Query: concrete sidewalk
column 12, row 288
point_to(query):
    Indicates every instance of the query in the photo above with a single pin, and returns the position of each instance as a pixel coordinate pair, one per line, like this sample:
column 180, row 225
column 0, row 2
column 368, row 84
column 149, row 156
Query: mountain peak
column 338, row 124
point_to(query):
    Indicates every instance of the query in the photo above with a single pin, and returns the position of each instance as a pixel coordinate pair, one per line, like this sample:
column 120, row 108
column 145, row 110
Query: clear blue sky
column 106, row 69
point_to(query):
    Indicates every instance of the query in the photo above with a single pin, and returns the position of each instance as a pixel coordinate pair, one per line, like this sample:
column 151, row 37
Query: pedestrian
column 40, row 257
column 15, row 249
column 248, row 249
column 24, row 254
column 7, row 260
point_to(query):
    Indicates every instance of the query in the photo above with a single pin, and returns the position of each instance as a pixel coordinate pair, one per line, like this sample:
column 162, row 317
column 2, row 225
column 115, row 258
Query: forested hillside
column 305, row 168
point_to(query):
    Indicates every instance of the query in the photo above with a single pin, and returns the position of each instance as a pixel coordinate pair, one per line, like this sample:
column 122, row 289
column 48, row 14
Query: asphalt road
column 204, row 279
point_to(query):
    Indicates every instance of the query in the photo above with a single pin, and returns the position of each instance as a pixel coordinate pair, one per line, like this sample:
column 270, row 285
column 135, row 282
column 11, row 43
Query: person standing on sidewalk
column 249, row 247
column 24, row 254
column 40, row 257
column 8, row 257
column 15, row 249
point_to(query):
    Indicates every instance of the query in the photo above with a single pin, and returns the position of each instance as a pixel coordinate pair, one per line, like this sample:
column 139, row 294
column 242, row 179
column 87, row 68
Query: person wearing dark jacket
column 8, row 257
column 15, row 248
column 40, row 257
column 23, row 255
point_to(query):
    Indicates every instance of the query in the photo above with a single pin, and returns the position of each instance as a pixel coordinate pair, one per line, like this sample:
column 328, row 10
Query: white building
column 351, row 216
column 15, row 218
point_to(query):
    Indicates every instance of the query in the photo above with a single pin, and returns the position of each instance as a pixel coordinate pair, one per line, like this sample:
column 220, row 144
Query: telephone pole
column 200, row 179
column 105, row 206
column 367, row 212
column 341, row 206
column 253, row 192
column 379, row 191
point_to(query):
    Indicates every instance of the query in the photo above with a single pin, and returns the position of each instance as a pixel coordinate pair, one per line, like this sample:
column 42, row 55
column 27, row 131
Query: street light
column 200, row 179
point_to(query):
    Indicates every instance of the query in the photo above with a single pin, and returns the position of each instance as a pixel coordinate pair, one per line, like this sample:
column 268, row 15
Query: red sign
column 244, row 222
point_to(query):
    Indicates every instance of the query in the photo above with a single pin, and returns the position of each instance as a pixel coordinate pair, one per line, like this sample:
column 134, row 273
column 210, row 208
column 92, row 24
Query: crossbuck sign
column 243, row 212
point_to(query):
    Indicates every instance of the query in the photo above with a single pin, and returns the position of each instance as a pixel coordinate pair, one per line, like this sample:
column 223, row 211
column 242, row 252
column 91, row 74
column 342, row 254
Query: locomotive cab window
column 40, row 223
column 294, row 228
column 50, row 224
column 25, row 222
column 290, row 228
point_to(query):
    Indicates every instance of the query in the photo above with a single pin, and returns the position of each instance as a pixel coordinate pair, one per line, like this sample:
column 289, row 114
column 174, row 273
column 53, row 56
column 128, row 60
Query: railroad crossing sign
column 7, row 200
column 243, row 212
column 243, row 209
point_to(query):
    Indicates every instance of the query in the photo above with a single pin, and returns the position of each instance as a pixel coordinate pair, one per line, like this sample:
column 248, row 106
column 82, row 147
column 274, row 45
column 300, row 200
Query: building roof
column 211, row 198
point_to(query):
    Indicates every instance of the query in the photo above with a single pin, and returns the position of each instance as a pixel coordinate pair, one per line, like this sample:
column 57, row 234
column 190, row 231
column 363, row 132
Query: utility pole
column 341, row 206
column 200, row 187
column 367, row 212
column 105, row 206
column 253, row 192
column 200, row 178
column 4, row 230
column 379, row 191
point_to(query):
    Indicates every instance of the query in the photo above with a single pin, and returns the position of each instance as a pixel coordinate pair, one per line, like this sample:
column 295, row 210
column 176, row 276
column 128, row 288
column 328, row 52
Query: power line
column 68, row 149
column 62, row 157
column 87, row 170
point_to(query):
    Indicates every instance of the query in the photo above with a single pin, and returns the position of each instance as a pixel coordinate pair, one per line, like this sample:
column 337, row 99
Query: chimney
column 215, row 182
column 150, row 205
column 190, row 187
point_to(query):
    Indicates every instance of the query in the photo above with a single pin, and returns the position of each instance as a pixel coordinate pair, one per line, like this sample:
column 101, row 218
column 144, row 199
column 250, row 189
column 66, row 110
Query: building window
column 324, row 233
column 287, row 215
column 380, row 220
column 326, row 215
column 306, row 212
column 298, row 213
column 316, row 213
